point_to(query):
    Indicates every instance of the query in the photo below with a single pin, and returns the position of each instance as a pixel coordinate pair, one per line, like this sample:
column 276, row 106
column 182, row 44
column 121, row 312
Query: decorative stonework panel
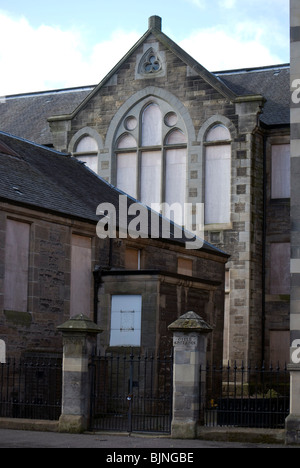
column 150, row 64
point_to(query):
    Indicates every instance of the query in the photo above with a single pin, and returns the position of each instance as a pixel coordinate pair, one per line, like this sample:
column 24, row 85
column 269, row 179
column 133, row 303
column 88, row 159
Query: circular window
column 130, row 123
column 171, row 119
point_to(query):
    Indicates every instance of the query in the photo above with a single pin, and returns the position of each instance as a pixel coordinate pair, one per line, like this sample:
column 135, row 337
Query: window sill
column 278, row 298
column 218, row 227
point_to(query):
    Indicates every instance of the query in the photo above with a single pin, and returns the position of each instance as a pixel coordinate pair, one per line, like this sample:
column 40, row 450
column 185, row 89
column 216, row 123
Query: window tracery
column 150, row 63
column 151, row 155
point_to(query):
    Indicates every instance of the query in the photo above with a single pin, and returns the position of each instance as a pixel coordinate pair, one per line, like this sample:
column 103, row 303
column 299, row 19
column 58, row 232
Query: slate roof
column 44, row 179
column 25, row 115
column 271, row 82
column 49, row 180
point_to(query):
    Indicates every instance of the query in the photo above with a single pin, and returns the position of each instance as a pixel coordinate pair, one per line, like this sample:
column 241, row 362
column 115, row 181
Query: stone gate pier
column 79, row 343
column 190, row 345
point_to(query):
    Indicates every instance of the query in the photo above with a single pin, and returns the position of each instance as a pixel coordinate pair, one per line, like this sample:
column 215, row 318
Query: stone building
column 165, row 130
column 293, row 420
column 54, row 266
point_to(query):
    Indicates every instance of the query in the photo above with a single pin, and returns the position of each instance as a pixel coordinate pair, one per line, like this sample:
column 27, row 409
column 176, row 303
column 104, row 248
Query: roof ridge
column 253, row 69
column 47, row 148
column 50, row 92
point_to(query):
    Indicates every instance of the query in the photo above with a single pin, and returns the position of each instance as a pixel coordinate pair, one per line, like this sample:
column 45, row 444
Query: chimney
column 155, row 22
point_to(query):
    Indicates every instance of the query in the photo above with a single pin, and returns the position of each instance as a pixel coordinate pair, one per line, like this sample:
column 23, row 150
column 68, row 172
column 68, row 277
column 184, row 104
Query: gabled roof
column 26, row 115
column 155, row 30
column 47, row 180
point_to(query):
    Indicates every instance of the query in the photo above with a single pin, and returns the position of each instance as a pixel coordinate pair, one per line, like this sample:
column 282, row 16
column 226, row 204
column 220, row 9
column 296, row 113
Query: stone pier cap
column 190, row 322
column 79, row 323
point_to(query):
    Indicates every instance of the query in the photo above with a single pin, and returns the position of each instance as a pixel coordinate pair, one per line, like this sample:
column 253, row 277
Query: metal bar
column 251, row 397
column 138, row 396
column 30, row 389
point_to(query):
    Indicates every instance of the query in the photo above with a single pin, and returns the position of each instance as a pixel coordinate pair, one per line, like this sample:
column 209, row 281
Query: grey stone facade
column 46, row 273
column 253, row 104
column 201, row 100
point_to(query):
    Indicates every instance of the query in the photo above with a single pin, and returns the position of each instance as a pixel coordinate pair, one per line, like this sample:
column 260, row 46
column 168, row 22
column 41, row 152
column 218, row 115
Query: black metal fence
column 31, row 388
column 134, row 393
column 246, row 396
column 131, row 393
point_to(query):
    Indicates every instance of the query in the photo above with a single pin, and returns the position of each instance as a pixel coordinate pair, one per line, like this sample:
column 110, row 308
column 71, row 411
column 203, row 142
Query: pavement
column 146, row 446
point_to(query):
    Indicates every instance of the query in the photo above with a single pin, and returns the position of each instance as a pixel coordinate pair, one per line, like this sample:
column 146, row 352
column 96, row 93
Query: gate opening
column 131, row 393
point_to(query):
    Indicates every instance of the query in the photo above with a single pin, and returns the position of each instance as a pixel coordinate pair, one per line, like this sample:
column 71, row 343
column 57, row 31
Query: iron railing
column 31, row 388
column 131, row 393
column 134, row 393
column 245, row 396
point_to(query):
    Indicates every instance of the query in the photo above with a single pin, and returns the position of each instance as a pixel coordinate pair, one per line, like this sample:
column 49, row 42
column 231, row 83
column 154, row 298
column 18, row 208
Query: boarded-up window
column 81, row 273
column 151, row 159
column 281, row 187
column 176, row 181
column 127, row 165
column 126, row 318
column 185, row 266
column 87, row 144
column 16, row 266
column 217, row 176
column 132, row 259
column 151, row 126
column 2, row 352
column 175, row 176
column 217, row 184
column 218, row 133
column 127, row 173
column 279, row 347
column 151, row 177
column 280, row 268
column 87, row 152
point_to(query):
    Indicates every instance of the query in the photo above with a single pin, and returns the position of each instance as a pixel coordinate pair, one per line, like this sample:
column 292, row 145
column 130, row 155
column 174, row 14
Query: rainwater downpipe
column 263, row 305
column 97, row 273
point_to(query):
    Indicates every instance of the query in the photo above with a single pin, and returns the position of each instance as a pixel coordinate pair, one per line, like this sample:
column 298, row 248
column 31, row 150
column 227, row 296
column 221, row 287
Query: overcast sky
column 65, row 43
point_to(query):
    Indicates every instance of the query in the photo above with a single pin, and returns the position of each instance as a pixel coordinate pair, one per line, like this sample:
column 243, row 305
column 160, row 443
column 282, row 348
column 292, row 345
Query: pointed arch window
column 151, row 156
column 151, row 126
column 86, row 151
column 127, row 165
column 217, row 175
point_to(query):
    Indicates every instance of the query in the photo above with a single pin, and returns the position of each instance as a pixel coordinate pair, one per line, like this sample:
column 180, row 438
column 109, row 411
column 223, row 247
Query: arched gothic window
column 86, row 151
column 217, row 175
column 151, row 156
